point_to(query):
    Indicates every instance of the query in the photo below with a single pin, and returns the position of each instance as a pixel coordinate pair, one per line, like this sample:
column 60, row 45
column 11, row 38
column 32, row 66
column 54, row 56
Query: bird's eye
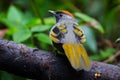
column 61, row 15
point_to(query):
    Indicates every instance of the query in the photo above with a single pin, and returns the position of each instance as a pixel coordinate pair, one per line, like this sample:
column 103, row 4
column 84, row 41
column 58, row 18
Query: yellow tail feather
column 77, row 56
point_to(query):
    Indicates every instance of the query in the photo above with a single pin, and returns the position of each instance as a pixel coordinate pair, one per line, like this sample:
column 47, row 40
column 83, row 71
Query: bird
column 68, row 38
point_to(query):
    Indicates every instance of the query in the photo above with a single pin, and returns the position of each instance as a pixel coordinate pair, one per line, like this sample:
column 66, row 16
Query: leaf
column 111, row 20
column 40, row 28
column 95, row 57
column 37, row 21
column 90, row 39
column 14, row 14
column 43, row 38
column 91, row 21
column 118, row 40
column 2, row 16
column 14, row 18
column 84, row 17
column 12, row 24
column 22, row 34
column 106, row 53
column 6, row 76
column 50, row 20
column 33, row 22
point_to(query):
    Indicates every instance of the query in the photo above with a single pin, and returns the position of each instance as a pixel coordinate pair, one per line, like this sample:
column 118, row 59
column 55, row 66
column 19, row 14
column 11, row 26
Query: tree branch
column 42, row 65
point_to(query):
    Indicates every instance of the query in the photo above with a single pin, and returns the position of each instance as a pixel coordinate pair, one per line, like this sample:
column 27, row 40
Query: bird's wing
column 79, row 34
column 77, row 56
column 57, row 33
column 76, row 53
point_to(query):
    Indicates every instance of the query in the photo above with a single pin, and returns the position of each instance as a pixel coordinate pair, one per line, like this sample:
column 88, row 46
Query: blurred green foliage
column 29, row 22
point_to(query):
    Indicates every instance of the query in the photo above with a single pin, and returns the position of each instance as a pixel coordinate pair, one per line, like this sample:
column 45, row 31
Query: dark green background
column 28, row 22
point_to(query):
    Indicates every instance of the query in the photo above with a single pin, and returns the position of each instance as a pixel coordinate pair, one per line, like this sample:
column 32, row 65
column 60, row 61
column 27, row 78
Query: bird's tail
column 77, row 56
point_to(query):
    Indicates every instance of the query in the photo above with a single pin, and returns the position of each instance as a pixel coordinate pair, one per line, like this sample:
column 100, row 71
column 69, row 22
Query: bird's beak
column 53, row 12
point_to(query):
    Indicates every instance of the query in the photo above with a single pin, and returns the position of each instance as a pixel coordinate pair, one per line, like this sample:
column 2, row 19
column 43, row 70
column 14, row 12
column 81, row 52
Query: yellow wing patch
column 79, row 32
column 63, row 31
column 61, row 27
column 83, row 39
column 77, row 56
column 52, row 33
column 53, row 37
column 57, row 33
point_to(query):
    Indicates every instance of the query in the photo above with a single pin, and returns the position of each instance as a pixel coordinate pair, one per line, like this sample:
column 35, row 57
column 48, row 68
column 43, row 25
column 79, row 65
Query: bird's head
column 62, row 14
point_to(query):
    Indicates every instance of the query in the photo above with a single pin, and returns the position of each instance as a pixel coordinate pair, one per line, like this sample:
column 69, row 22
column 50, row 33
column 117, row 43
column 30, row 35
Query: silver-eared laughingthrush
column 67, row 37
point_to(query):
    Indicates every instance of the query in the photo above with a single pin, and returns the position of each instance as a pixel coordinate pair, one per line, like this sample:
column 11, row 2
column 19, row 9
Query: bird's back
column 68, row 36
